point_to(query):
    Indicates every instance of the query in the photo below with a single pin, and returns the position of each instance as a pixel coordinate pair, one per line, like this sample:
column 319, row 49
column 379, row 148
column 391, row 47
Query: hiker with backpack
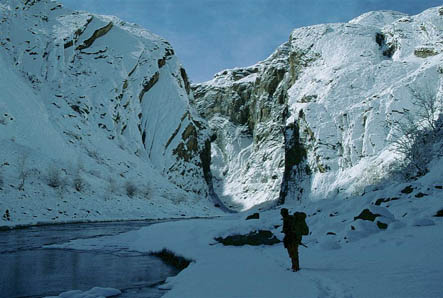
column 294, row 227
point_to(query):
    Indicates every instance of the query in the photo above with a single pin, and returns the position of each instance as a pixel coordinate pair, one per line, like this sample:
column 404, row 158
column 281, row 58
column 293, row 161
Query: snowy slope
column 314, row 120
column 346, row 257
column 102, row 106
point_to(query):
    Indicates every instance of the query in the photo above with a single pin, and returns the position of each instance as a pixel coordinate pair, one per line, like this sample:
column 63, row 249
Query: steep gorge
column 107, row 103
column 314, row 120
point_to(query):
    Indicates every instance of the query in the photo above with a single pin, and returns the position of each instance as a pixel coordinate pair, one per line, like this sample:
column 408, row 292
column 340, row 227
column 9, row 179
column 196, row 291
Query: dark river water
column 28, row 270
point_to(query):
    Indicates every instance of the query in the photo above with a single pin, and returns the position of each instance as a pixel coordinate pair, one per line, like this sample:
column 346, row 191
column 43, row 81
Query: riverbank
column 341, row 261
column 18, row 210
column 147, row 220
column 29, row 269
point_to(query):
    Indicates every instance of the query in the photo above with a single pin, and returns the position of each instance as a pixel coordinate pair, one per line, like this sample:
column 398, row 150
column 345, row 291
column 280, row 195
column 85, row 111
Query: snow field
column 344, row 258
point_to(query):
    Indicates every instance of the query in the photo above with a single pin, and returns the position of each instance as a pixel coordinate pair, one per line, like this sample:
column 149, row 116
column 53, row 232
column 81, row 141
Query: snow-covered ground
column 95, row 124
column 345, row 257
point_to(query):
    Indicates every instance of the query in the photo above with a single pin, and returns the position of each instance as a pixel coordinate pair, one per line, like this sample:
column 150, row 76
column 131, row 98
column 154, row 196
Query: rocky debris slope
column 317, row 118
column 96, row 100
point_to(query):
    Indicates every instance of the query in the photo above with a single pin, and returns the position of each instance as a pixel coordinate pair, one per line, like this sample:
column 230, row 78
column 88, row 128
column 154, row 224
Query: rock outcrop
column 315, row 119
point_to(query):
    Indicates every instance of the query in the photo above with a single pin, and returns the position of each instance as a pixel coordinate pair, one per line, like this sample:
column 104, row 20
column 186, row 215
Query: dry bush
column 417, row 136
column 54, row 178
column 131, row 189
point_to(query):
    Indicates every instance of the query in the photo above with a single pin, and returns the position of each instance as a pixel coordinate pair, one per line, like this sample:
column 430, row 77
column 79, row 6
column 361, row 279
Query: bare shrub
column 112, row 186
column 416, row 134
column 79, row 184
column 23, row 171
column 171, row 258
column 54, row 177
column 131, row 189
column 147, row 191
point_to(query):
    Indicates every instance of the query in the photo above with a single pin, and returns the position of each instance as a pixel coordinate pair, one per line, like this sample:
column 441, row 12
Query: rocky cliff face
column 246, row 109
column 93, row 92
column 96, row 110
column 315, row 118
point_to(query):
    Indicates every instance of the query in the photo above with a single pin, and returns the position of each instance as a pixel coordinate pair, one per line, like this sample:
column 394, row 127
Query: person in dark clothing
column 294, row 227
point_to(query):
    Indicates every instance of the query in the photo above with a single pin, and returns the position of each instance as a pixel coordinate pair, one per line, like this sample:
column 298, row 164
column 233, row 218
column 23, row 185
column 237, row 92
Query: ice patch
column 95, row 292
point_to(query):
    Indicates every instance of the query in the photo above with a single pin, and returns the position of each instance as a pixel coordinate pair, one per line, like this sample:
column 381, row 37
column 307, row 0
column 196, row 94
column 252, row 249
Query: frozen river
column 29, row 270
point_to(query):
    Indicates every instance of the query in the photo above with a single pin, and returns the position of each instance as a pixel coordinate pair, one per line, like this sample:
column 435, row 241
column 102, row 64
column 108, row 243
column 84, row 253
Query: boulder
column 260, row 237
column 253, row 216
column 366, row 215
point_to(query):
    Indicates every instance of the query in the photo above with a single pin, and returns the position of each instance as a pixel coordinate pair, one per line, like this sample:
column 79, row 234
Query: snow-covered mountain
column 317, row 118
column 98, row 119
column 100, row 106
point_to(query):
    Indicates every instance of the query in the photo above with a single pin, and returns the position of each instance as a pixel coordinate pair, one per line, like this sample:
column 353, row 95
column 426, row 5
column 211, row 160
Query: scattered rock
column 420, row 195
column 253, row 216
column 382, row 225
column 261, row 237
column 366, row 215
column 425, row 52
column 407, row 190
column 7, row 216
column 439, row 186
column 439, row 213
column 378, row 202
column 331, row 233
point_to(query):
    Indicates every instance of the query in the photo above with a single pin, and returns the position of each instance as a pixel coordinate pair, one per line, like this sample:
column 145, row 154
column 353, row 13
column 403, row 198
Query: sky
column 212, row 35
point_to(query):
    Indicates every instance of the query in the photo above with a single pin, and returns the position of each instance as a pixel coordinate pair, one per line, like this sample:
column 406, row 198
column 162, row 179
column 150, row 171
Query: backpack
column 300, row 226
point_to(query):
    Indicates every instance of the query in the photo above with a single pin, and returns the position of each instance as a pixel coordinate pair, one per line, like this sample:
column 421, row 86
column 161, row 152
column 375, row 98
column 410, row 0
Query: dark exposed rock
column 382, row 225
column 439, row 213
column 261, row 237
column 69, row 44
column 425, row 52
column 388, row 49
column 185, row 80
column 367, row 215
column 253, row 216
column 97, row 34
column 379, row 38
column 7, row 215
column 147, row 85
column 420, row 195
column 378, row 202
column 76, row 108
column 407, row 190
column 295, row 155
column 161, row 62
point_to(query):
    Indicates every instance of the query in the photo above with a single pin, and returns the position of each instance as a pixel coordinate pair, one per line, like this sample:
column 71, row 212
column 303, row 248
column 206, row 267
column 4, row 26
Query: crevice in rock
column 295, row 166
column 388, row 49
